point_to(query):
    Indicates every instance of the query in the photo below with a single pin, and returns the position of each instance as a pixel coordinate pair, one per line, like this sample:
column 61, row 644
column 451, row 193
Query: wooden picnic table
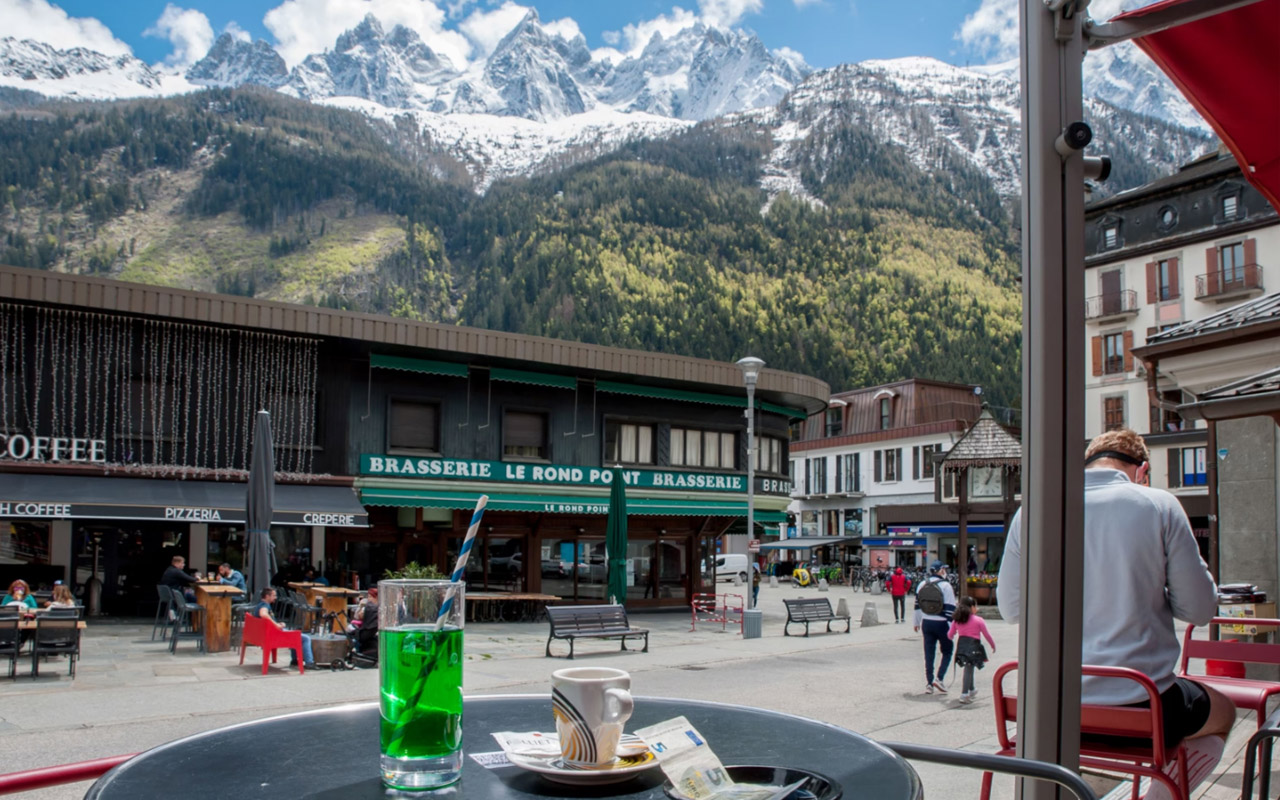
column 497, row 606
column 333, row 599
column 216, row 599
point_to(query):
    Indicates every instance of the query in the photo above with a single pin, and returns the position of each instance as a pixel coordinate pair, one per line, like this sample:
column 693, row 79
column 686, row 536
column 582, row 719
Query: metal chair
column 184, row 622
column 10, row 639
column 57, row 634
column 163, row 620
column 306, row 617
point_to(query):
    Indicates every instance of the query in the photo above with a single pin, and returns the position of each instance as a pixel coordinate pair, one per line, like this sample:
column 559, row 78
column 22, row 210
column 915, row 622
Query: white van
column 730, row 565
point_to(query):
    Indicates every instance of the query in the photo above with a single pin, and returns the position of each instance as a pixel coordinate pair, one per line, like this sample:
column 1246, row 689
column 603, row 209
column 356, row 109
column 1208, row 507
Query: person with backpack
column 935, row 603
column 966, row 627
column 898, row 585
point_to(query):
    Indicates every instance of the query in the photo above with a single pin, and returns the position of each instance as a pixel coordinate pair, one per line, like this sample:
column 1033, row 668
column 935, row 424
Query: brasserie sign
column 507, row 472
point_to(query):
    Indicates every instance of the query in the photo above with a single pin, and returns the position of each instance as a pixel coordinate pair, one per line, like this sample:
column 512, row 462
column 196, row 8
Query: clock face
column 986, row 482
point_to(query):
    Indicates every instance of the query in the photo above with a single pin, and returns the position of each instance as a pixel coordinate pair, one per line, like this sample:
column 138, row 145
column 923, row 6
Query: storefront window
column 640, row 575
column 24, row 553
column 808, row 523
column 853, row 522
column 503, row 559
column 226, row 543
column 117, row 565
column 292, row 544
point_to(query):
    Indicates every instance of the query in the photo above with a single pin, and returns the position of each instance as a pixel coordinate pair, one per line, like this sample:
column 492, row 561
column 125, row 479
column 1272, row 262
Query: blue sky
column 824, row 32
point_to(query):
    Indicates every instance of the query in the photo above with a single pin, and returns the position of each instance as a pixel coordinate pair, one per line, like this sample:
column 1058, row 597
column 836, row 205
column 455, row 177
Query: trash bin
column 751, row 623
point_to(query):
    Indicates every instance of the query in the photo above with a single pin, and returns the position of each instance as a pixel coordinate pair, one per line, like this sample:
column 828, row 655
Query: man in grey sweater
column 1142, row 569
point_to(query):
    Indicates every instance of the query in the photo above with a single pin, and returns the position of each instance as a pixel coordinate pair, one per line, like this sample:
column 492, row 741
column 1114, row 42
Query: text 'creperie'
column 20, row 447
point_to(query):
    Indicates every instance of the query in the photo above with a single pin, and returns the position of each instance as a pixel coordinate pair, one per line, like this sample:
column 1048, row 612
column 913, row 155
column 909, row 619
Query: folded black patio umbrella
column 615, row 539
column 259, row 554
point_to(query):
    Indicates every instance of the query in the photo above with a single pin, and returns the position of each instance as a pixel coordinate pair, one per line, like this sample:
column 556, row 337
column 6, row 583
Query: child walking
column 968, row 626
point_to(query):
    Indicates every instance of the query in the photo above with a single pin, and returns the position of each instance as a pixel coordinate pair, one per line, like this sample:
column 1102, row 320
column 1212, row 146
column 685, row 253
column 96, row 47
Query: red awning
column 1228, row 66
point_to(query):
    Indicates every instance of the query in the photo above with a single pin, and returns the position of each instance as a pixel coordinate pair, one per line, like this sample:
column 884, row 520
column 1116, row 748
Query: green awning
column 563, row 504
column 534, row 378
column 733, row 401
column 419, row 365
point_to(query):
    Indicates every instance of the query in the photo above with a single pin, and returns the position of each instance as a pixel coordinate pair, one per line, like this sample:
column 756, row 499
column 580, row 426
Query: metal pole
column 1053, row 388
column 751, row 485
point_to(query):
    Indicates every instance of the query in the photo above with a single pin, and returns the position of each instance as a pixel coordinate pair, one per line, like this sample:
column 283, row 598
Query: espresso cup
column 591, row 704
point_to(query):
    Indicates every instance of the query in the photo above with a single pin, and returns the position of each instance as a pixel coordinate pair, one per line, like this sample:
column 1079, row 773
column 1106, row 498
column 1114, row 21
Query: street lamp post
column 750, row 367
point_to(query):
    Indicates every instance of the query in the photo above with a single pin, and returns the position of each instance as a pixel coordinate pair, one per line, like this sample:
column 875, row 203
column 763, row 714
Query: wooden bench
column 1244, row 692
column 812, row 609
column 592, row 622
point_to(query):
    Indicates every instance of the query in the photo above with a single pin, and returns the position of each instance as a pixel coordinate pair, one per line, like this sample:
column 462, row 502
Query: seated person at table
column 263, row 610
column 175, row 577
column 365, row 624
column 230, row 577
column 62, row 597
column 19, row 594
column 310, row 576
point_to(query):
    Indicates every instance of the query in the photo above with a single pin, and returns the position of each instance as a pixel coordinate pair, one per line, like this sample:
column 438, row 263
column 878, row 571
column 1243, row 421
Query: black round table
column 333, row 753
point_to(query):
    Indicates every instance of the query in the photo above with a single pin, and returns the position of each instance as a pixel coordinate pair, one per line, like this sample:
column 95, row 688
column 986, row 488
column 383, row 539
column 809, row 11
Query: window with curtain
column 413, row 426
column 628, row 443
column 769, row 454
column 524, row 435
column 691, row 447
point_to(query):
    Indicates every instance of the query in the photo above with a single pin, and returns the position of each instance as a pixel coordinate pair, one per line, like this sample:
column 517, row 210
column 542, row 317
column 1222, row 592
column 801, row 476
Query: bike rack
column 717, row 608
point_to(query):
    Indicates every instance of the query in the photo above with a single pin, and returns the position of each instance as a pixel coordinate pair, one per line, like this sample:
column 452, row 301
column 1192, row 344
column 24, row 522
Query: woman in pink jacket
column 968, row 625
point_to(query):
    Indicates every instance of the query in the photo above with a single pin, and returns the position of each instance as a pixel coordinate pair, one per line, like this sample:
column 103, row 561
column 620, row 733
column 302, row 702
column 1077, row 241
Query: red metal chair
column 1244, row 692
column 1144, row 754
column 261, row 633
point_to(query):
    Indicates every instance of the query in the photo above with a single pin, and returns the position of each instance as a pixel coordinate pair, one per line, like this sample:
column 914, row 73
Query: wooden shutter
column 1173, row 279
column 1211, row 271
column 839, row 474
column 1250, row 252
column 915, row 463
column 808, row 476
column 413, row 426
column 1128, row 346
column 1153, row 282
column 1152, row 331
column 1175, row 468
column 878, row 468
column 1097, row 355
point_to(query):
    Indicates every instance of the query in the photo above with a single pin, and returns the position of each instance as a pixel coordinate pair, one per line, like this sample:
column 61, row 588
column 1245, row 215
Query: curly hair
column 26, row 588
column 1120, row 440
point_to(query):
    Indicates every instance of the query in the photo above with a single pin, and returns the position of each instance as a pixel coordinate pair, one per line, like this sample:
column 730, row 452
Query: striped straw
column 461, row 568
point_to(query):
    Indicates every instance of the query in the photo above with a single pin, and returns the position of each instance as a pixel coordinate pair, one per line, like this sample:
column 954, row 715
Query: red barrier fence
column 719, row 608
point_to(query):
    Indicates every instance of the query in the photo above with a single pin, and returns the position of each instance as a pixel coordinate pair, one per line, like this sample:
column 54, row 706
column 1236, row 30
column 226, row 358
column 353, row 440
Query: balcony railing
column 1223, row 284
column 1111, row 304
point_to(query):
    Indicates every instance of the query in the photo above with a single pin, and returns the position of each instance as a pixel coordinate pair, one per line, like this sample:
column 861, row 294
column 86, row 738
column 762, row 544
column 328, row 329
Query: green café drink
column 420, row 672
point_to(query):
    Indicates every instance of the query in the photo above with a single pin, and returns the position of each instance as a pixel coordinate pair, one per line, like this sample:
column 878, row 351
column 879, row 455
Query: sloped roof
column 986, row 443
column 1253, row 312
column 1259, row 383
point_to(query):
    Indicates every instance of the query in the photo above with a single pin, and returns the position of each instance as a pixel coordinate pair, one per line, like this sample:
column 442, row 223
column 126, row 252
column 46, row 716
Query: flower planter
column 982, row 593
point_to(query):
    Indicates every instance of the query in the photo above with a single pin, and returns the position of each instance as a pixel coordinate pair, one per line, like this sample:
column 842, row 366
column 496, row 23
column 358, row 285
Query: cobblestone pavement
column 131, row 694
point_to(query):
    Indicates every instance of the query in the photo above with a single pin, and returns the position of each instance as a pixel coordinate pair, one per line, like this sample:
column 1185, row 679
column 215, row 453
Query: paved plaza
column 131, row 694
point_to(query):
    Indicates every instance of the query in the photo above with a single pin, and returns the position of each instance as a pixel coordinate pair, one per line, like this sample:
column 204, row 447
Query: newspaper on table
column 695, row 771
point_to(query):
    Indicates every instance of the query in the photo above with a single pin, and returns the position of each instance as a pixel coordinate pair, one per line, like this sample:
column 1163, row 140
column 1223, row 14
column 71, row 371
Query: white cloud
column 727, row 13
column 635, row 36
column 486, row 28
column 44, row 22
column 804, row 3
column 303, row 27
column 237, row 33
column 187, row 29
column 566, row 28
column 792, row 57
column 992, row 31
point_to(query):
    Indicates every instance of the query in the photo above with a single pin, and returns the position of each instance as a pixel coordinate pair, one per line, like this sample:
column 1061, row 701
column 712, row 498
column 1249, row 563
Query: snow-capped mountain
column 234, row 62
column 395, row 69
column 76, row 73
column 701, row 73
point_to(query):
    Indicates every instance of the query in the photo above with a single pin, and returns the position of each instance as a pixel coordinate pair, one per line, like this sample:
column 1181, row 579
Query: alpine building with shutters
column 1171, row 252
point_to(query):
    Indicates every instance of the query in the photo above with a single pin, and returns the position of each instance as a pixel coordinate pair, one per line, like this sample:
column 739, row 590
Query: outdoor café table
column 333, row 599
column 492, row 606
column 298, row 755
column 29, row 624
column 216, row 599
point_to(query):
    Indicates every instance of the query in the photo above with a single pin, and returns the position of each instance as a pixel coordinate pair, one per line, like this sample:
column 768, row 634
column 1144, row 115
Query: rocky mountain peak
column 235, row 62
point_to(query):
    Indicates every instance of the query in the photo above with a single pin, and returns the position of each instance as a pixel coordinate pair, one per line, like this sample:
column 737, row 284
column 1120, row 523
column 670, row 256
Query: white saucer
column 557, row 771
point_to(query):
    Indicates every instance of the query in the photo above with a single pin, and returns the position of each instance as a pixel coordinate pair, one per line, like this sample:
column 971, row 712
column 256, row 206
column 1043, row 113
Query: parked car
column 730, row 565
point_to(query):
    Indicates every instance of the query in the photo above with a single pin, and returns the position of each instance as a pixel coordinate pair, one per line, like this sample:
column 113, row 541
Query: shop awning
column 659, row 393
column 806, row 542
column 563, row 504
column 82, row 497
column 534, row 378
column 419, row 365
column 916, row 530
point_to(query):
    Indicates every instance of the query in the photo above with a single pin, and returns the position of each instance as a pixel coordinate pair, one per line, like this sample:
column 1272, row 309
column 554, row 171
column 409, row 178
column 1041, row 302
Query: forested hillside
column 661, row 245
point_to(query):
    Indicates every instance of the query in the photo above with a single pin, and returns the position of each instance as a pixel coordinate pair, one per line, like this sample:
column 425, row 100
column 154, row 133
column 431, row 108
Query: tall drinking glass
column 420, row 668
